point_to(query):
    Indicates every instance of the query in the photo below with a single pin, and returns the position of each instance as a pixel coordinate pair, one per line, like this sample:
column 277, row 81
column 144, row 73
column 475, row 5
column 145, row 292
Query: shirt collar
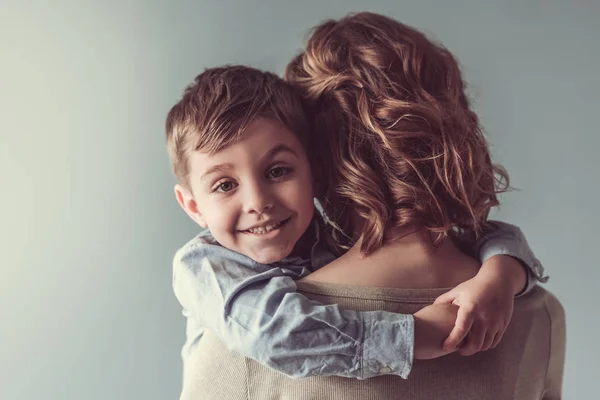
column 319, row 253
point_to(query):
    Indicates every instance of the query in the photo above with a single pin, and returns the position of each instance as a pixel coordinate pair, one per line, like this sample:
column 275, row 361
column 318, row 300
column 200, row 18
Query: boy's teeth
column 265, row 229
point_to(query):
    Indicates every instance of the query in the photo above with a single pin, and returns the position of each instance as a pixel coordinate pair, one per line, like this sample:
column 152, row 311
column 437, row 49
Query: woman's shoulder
column 369, row 298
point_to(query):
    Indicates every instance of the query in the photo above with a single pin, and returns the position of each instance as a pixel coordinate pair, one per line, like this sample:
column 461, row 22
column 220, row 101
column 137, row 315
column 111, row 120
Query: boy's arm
column 256, row 311
column 506, row 239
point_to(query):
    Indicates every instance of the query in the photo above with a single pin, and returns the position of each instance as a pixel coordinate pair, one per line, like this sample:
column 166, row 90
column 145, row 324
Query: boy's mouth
column 266, row 228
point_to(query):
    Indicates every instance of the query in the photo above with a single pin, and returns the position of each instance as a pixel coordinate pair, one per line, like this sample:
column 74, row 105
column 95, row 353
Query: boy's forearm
column 260, row 315
column 506, row 239
column 507, row 269
column 324, row 340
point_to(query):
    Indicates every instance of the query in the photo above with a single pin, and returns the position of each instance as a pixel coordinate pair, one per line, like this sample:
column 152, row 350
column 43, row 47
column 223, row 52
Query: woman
column 409, row 163
column 410, row 175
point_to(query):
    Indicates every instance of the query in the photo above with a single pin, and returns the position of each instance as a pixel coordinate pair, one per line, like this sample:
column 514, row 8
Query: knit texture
column 527, row 364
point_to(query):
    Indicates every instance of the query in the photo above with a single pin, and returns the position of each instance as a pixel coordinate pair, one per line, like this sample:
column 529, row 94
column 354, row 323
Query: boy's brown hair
column 219, row 105
column 403, row 146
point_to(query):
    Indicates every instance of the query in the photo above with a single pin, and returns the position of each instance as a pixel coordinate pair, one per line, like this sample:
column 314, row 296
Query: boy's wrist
column 507, row 269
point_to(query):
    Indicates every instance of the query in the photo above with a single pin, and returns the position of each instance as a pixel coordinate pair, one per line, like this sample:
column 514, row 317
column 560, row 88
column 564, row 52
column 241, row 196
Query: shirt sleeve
column 506, row 239
column 256, row 311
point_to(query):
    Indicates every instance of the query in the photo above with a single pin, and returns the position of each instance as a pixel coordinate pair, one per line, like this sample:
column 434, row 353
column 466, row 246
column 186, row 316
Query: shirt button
column 385, row 370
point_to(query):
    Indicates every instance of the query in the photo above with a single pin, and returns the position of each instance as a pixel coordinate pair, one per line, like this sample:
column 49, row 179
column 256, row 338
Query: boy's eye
column 278, row 172
column 225, row 186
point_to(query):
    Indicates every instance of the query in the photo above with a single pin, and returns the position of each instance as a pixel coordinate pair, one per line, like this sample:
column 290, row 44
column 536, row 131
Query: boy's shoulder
column 203, row 246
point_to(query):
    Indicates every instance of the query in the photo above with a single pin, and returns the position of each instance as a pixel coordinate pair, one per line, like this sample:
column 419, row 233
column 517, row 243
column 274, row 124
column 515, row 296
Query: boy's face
column 255, row 196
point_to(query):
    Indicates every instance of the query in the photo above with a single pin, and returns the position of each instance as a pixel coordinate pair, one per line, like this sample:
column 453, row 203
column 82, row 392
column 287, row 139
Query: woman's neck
column 409, row 260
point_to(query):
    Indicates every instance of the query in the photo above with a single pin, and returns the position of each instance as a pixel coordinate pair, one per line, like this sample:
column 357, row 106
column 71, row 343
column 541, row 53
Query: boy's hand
column 432, row 326
column 485, row 304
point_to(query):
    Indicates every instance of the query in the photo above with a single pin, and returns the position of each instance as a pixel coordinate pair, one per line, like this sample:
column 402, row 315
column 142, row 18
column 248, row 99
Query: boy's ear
column 188, row 203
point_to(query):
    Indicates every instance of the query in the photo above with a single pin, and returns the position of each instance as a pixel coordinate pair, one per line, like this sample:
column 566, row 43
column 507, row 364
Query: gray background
column 89, row 220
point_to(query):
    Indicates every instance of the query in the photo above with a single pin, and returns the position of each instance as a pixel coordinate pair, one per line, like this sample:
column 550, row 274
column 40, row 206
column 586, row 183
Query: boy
column 238, row 141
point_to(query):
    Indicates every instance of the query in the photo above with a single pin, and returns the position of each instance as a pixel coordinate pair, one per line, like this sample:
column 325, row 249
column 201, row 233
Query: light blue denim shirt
column 255, row 309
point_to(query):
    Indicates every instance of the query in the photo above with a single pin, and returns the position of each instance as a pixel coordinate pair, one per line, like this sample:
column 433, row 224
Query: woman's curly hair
column 400, row 144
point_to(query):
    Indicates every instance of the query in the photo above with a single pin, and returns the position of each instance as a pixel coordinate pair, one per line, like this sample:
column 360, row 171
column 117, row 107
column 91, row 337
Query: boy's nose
column 258, row 200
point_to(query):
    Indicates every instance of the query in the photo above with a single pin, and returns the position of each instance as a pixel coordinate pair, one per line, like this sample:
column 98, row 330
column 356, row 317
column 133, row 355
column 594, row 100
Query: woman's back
column 527, row 364
column 412, row 261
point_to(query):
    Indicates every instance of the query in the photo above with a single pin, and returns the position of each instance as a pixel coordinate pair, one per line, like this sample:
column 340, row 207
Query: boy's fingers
column 462, row 326
column 488, row 340
column 447, row 297
column 498, row 337
column 474, row 341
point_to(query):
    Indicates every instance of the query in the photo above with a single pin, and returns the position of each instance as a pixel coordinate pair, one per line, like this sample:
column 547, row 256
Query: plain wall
column 89, row 222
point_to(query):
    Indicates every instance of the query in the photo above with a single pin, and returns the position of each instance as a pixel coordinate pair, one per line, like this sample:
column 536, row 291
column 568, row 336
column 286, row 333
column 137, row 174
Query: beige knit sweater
column 527, row 364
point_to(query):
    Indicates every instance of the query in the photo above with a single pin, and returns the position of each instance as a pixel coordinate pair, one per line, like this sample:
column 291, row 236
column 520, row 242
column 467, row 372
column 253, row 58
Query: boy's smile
column 255, row 195
column 267, row 227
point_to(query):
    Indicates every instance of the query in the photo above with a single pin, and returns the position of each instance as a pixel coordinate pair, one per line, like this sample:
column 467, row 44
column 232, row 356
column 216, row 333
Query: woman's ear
column 186, row 200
